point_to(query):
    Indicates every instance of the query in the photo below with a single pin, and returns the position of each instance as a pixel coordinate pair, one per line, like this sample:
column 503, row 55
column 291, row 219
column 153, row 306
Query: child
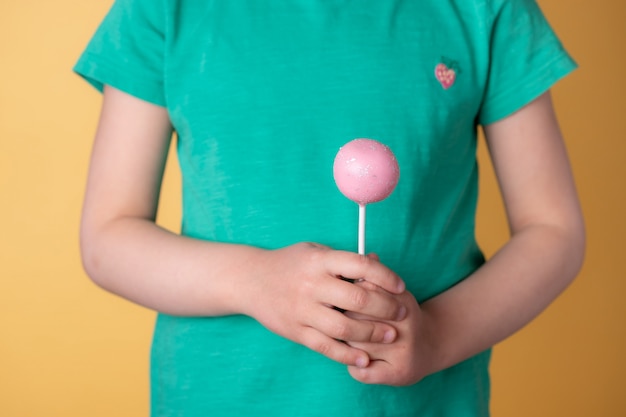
column 253, row 320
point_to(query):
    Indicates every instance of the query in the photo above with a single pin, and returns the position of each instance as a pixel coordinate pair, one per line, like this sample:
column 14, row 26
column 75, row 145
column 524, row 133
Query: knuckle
column 347, row 357
column 314, row 251
column 363, row 261
column 361, row 375
column 375, row 333
column 341, row 331
column 322, row 347
column 360, row 298
column 313, row 255
column 306, row 288
column 334, row 350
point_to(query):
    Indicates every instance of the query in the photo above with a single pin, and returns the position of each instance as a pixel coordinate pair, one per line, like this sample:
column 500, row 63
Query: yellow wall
column 70, row 349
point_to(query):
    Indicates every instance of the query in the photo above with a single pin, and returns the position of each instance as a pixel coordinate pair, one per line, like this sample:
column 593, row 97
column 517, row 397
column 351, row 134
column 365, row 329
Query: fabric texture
column 262, row 94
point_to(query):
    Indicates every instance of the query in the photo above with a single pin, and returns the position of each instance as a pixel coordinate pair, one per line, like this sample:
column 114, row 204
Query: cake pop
column 365, row 171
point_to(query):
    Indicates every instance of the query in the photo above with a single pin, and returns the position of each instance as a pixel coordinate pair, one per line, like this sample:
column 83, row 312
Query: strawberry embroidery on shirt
column 446, row 72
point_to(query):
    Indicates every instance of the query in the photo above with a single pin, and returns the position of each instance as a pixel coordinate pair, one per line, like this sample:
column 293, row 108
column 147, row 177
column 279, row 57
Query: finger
column 378, row 372
column 357, row 316
column 373, row 256
column 370, row 302
column 334, row 349
column 383, row 373
column 337, row 326
column 367, row 285
column 352, row 265
column 375, row 351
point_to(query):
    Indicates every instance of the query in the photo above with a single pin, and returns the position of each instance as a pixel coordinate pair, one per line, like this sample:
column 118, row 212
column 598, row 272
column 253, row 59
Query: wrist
column 244, row 280
column 436, row 346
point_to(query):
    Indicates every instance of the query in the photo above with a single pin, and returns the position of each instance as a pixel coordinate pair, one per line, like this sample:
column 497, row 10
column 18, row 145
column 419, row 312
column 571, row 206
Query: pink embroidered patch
column 446, row 76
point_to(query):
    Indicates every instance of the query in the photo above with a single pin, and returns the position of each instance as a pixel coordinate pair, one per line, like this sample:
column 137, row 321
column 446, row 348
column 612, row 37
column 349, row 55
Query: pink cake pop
column 366, row 171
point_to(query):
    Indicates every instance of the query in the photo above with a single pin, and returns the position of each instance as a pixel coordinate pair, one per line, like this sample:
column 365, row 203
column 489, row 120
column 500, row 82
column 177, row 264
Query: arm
column 542, row 257
column 125, row 252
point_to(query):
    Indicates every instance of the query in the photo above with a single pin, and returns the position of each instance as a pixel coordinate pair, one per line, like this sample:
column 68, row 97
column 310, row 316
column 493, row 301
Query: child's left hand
column 405, row 361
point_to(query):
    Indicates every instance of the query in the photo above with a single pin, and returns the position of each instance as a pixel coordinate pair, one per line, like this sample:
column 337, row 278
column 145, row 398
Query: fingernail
column 362, row 362
column 401, row 313
column 401, row 287
column 389, row 336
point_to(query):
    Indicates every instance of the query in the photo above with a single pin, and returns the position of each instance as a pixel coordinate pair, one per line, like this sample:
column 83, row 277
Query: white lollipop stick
column 361, row 243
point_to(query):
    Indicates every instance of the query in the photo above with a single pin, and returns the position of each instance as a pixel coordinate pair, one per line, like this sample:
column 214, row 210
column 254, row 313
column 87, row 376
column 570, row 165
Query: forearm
column 547, row 242
column 512, row 288
column 139, row 261
column 287, row 290
column 542, row 257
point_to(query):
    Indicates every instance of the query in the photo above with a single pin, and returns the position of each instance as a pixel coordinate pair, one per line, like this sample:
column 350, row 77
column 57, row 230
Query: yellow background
column 69, row 349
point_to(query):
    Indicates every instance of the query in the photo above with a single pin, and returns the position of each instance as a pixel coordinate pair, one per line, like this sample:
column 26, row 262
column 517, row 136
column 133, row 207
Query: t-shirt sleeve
column 127, row 51
column 526, row 59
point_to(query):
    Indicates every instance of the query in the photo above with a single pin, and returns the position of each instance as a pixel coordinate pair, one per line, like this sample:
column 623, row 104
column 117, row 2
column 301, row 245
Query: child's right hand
column 294, row 291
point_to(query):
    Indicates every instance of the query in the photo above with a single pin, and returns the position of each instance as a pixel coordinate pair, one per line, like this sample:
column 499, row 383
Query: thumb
column 373, row 256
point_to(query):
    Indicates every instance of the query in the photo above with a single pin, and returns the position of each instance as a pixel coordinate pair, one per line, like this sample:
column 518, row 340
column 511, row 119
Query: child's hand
column 407, row 359
column 297, row 290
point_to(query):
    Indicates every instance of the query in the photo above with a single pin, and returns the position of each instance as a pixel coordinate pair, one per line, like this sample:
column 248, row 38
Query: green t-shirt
column 262, row 93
